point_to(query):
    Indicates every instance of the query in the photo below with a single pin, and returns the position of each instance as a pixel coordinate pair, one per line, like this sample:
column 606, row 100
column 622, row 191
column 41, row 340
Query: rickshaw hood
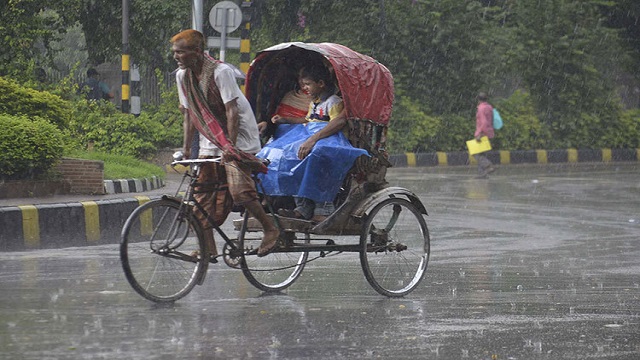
column 366, row 86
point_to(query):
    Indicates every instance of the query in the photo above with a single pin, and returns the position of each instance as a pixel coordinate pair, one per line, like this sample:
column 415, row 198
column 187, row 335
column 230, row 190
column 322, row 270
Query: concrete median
column 505, row 157
column 24, row 226
column 47, row 226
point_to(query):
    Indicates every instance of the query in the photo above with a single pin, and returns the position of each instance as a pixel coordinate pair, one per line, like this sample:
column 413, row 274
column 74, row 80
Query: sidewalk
column 171, row 183
column 80, row 220
column 71, row 220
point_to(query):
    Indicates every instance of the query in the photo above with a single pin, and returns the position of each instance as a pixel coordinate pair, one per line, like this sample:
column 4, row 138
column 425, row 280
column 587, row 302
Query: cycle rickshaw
column 161, row 240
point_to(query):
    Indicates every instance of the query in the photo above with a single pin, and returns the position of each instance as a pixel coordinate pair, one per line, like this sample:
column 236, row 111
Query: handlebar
column 195, row 161
column 178, row 159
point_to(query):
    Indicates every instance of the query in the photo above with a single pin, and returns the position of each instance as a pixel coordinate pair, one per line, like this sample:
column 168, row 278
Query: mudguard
column 394, row 191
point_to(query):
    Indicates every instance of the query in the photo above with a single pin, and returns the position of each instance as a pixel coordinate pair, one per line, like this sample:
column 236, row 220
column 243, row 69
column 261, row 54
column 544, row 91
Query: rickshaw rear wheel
column 276, row 271
column 395, row 247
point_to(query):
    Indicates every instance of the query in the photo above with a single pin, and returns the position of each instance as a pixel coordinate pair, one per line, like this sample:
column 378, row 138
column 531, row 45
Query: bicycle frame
column 188, row 200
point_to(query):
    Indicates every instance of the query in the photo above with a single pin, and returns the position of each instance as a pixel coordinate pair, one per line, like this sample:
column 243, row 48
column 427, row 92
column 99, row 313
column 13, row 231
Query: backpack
column 497, row 120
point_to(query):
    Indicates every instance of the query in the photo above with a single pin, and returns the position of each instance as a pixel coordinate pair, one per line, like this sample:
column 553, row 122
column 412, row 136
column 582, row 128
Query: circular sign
column 226, row 9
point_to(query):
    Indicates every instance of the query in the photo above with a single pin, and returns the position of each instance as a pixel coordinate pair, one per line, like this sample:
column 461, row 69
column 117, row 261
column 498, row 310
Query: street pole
column 245, row 41
column 223, row 36
column 197, row 15
column 125, row 57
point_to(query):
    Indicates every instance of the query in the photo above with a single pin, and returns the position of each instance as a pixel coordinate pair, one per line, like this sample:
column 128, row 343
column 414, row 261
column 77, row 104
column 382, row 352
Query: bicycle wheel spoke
column 157, row 242
column 275, row 271
column 394, row 259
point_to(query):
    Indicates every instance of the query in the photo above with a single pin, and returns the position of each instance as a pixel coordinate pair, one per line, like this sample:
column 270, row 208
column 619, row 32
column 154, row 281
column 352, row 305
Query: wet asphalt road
column 537, row 262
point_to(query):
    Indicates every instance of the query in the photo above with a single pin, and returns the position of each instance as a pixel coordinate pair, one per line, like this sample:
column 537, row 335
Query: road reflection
column 532, row 263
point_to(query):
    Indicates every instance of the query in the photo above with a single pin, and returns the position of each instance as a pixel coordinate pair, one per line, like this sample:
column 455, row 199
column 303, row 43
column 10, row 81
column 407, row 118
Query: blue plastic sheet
column 319, row 175
column 282, row 129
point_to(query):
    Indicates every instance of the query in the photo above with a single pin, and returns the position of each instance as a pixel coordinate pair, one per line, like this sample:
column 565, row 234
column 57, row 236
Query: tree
column 26, row 32
column 443, row 51
column 563, row 54
column 152, row 23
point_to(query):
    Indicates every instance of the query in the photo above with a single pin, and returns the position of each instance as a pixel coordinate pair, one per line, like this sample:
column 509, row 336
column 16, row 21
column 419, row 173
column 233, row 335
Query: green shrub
column 168, row 115
column 522, row 129
column 29, row 147
column 19, row 100
column 624, row 133
column 411, row 129
column 101, row 126
column 456, row 130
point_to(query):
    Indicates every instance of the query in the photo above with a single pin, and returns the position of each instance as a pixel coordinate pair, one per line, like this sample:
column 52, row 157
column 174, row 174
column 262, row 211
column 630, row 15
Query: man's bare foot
column 269, row 242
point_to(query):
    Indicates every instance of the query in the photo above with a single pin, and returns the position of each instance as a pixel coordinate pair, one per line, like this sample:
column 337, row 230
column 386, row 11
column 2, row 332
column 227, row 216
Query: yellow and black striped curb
column 516, row 157
column 132, row 185
column 65, row 225
column 100, row 222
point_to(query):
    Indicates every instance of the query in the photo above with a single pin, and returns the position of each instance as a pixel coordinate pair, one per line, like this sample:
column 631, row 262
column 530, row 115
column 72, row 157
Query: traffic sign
column 216, row 42
column 225, row 14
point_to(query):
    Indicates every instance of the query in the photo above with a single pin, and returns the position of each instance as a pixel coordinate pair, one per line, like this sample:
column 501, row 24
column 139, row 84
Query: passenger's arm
column 332, row 127
column 262, row 127
column 277, row 119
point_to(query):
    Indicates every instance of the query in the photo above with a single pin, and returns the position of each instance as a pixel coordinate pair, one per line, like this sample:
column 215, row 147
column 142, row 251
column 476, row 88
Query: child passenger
column 327, row 108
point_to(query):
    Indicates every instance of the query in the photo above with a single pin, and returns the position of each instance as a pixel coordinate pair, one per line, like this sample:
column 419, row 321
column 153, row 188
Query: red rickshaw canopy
column 365, row 85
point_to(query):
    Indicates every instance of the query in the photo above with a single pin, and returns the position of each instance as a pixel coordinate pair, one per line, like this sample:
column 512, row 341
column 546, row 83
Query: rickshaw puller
column 214, row 104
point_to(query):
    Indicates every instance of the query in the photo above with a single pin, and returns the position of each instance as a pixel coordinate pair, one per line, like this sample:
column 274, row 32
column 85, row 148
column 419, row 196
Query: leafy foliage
column 18, row 100
column 29, row 146
column 552, row 66
column 151, row 25
column 101, row 126
column 624, row 133
column 94, row 124
column 167, row 115
column 565, row 40
column 26, row 29
column 411, row 128
column 522, row 129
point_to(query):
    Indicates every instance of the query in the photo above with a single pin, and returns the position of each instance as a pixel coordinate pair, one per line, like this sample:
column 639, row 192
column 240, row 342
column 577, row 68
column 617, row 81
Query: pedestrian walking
column 484, row 127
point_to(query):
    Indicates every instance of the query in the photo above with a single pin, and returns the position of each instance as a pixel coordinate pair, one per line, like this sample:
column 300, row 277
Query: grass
column 120, row 166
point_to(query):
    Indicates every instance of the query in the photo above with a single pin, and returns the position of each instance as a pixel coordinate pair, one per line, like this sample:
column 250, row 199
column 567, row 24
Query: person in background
column 212, row 102
column 294, row 104
column 484, row 127
column 96, row 89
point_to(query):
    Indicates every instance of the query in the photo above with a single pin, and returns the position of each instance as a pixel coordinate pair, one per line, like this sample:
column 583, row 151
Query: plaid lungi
column 234, row 185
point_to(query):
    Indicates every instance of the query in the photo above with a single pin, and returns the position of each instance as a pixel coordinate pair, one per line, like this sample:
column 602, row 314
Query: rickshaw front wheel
column 395, row 247
column 159, row 250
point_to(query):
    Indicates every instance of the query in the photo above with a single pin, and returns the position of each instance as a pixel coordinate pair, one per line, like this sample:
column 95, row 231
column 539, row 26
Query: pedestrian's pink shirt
column 484, row 120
